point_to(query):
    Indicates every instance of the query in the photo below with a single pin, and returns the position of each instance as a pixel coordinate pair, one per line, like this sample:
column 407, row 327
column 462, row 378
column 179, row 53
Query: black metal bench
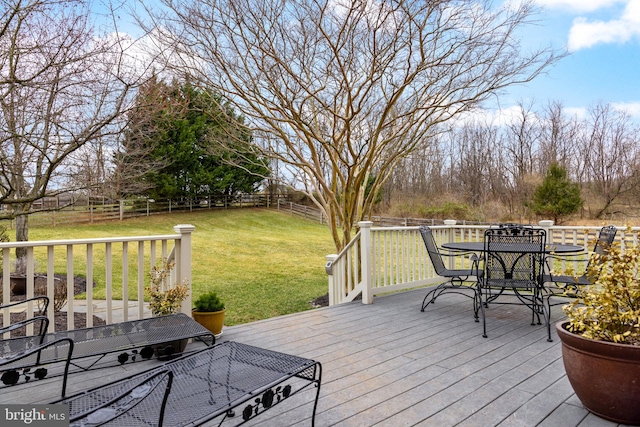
column 211, row 384
column 129, row 341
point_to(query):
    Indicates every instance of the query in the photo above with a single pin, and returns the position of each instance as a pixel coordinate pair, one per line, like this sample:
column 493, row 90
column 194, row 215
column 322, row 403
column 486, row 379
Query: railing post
column 451, row 237
column 183, row 262
column 329, row 269
column 546, row 225
column 365, row 256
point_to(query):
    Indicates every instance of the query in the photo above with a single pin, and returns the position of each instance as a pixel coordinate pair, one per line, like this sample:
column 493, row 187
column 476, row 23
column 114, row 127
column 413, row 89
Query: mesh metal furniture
column 113, row 344
column 227, row 382
column 569, row 286
column 142, row 404
column 566, row 286
column 459, row 280
column 40, row 322
column 23, row 361
column 513, row 267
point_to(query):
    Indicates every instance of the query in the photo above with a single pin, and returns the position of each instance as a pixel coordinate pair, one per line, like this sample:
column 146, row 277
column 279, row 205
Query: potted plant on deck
column 601, row 338
column 164, row 300
column 209, row 312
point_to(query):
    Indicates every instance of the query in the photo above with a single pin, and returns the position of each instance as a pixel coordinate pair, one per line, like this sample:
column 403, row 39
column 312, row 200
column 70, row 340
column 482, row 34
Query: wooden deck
column 389, row 364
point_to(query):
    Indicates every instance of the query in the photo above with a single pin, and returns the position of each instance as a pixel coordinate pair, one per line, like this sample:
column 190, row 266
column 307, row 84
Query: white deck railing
column 120, row 265
column 389, row 259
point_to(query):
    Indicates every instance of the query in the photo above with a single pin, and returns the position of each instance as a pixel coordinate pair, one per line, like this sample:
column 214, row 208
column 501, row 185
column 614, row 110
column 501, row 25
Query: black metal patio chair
column 459, row 281
column 513, row 268
column 510, row 225
column 570, row 286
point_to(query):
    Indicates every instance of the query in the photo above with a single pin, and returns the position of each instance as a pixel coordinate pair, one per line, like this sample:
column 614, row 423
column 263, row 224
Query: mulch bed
column 321, row 301
column 79, row 319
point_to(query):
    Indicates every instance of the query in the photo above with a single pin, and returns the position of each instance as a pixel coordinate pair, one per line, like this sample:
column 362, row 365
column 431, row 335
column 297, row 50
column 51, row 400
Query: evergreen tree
column 557, row 196
column 185, row 143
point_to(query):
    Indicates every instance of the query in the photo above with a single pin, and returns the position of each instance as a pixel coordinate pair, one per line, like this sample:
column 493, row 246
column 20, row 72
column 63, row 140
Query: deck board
column 389, row 364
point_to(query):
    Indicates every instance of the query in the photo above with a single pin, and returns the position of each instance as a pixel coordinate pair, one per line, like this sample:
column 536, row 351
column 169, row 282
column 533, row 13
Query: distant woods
column 487, row 170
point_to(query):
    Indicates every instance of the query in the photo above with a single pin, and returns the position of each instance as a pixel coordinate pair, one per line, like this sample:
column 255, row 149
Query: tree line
column 495, row 168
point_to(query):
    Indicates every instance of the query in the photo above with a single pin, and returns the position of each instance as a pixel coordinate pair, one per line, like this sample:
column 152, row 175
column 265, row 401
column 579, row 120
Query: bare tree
column 339, row 89
column 62, row 86
column 558, row 137
column 612, row 155
column 476, row 150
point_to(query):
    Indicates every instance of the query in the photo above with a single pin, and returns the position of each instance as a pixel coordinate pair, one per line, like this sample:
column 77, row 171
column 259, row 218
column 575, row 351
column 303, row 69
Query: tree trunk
column 22, row 231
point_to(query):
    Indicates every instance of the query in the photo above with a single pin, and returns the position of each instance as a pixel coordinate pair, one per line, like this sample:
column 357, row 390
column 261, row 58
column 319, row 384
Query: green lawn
column 262, row 263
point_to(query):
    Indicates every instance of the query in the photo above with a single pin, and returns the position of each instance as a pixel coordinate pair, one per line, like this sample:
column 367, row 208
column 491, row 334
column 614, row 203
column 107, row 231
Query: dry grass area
column 450, row 207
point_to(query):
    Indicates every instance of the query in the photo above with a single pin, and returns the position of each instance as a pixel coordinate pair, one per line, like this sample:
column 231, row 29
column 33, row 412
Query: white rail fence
column 389, row 259
column 119, row 265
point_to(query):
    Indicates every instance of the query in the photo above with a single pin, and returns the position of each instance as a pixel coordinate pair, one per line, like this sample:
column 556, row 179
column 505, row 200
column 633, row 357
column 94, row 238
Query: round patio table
column 479, row 247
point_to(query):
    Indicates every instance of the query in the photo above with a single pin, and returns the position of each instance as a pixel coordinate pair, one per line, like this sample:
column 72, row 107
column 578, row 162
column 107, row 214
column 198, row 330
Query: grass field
column 262, row 263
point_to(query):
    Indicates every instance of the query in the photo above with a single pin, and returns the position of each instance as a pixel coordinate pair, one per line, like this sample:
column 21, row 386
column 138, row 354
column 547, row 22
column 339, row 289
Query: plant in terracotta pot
column 165, row 299
column 208, row 310
column 601, row 338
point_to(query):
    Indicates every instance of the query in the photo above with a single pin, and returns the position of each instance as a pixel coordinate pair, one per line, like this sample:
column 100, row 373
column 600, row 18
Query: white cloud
column 579, row 5
column 579, row 112
column 631, row 108
column 585, row 33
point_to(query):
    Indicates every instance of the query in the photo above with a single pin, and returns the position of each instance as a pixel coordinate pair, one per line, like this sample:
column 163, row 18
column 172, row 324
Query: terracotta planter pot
column 604, row 375
column 213, row 321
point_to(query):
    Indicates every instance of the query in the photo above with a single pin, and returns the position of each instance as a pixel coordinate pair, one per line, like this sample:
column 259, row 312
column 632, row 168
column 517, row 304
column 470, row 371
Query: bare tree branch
column 341, row 91
column 62, row 86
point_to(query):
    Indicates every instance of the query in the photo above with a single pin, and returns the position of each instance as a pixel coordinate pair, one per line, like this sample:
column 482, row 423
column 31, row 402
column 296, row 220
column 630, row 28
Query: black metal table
column 129, row 341
column 211, row 384
column 479, row 247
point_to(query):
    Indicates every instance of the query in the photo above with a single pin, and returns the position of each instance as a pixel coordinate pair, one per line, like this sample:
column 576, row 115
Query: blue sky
column 603, row 38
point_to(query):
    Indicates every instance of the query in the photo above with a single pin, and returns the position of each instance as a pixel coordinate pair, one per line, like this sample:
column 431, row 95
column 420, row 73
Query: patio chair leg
column 477, row 300
column 484, row 321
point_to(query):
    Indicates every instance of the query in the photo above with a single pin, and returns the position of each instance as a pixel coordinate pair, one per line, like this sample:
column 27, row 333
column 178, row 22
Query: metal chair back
column 432, row 250
column 605, row 239
column 514, row 257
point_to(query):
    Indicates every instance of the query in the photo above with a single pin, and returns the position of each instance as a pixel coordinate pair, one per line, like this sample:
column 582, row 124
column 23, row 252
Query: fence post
column 546, row 224
column 121, row 209
column 451, row 236
column 365, row 257
column 183, row 261
column 333, row 292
